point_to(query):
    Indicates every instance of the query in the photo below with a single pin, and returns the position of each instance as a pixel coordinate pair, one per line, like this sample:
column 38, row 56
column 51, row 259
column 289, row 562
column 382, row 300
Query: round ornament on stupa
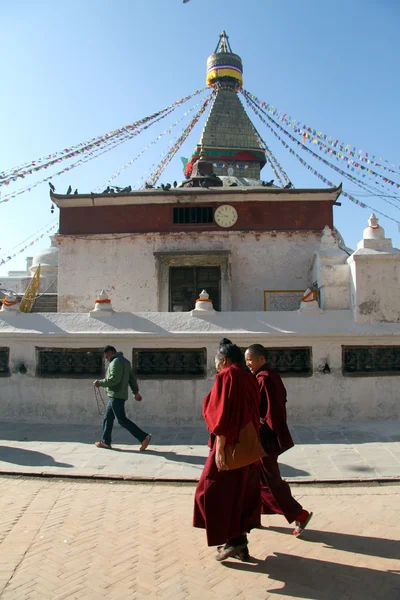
column 223, row 65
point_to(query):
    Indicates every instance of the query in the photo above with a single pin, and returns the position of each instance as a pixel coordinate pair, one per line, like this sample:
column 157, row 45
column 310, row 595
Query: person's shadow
column 321, row 580
column 173, row 456
column 358, row 544
column 288, row 471
column 29, row 458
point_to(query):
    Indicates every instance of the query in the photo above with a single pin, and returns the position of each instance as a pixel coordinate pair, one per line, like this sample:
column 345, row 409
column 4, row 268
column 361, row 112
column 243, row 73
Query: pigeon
column 175, row 184
column 288, row 186
column 185, row 1
column 127, row 189
column 53, row 189
column 76, row 191
column 166, row 187
column 107, row 190
column 69, row 190
column 148, row 186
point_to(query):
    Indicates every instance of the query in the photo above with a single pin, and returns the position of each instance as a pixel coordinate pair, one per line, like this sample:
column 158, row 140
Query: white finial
column 102, row 305
column 10, row 303
column 328, row 239
column 373, row 221
column 309, row 303
column 203, row 304
column 374, row 231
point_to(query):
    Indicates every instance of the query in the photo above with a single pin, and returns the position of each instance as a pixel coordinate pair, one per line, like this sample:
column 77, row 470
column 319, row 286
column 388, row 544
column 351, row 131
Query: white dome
column 46, row 258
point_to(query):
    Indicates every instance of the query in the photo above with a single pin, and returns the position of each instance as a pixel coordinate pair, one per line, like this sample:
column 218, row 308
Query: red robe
column 273, row 405
column 276, row 496
column 227, row 503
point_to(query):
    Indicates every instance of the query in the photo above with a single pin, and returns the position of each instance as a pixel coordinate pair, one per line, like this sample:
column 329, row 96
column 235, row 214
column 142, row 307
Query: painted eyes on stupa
column 222, row 165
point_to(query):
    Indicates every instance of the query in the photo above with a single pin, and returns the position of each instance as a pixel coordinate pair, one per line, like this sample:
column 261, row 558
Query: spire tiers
column 229, row 139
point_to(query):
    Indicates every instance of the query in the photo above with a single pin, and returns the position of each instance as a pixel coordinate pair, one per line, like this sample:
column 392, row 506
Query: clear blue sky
column 73, row 70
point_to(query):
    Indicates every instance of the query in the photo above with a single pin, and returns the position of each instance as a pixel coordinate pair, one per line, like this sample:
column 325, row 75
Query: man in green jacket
column 118, row 378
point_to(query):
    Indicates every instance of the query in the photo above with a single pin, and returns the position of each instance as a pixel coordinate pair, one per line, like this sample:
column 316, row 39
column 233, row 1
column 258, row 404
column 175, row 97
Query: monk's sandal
column 301, row 525
column 226, row 551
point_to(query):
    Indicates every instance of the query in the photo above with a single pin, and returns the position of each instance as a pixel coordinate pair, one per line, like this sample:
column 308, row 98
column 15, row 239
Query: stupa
column 229, row 139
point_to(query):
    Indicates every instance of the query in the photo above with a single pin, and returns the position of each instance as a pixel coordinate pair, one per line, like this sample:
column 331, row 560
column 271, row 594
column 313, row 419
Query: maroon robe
column 227, row 503
column 273, row 405
column 276, row 496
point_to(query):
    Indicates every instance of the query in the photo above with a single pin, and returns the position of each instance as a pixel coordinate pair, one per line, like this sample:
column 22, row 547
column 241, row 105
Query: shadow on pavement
column 28, row 458
column 88, row 434
column 288, row 471
column 321, row 580
column 385, row 432
column 358, row 544
column 174, row 456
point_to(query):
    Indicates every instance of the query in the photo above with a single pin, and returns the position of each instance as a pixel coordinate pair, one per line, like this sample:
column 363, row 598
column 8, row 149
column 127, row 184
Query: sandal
column 242, row 555
column 301, row 525
column 102, row 445
column 226, row 551
column 145, row 442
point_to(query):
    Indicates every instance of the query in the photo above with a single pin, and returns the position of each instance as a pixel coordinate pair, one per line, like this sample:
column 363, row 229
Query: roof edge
column 218, row 191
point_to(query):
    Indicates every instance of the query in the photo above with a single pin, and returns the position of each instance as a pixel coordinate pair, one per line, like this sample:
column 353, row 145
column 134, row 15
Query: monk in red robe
column 275, row 436
column 228, row 502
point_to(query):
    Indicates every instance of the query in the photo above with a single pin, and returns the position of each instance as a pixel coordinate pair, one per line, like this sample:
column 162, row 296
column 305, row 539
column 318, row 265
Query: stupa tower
column 229, row 139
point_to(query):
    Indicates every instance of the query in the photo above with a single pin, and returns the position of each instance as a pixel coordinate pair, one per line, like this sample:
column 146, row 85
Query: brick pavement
column 63, row 539
column 354, row 451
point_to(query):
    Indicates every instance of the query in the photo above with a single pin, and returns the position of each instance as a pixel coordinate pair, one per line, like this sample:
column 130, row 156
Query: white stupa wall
column 375, row 277
column 330, row 273
column 318, row 398
column 257, row 262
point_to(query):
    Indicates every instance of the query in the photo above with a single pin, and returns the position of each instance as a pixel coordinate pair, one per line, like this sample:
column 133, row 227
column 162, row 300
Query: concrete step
column 45, row 303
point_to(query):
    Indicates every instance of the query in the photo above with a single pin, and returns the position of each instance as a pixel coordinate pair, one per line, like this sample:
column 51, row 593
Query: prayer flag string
column 304, row 147
column 129, row 163
column 312, row 135
column 90, row 156
column 6, row 177
column 10, row 256
column 310, row 168
column 351, row 164
column 167, row 159
column 343, row 173
column 273, row 161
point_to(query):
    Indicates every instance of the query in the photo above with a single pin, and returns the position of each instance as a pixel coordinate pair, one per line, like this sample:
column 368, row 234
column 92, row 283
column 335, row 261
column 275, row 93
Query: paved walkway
column 362, row 451
column 75, row 540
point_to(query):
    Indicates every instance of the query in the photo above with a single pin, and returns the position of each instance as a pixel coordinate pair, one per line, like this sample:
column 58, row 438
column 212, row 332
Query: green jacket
column 119, row 377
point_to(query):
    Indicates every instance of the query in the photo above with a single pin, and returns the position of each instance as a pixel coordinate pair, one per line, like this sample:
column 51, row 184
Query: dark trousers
column 276, row 496
column 116, row 408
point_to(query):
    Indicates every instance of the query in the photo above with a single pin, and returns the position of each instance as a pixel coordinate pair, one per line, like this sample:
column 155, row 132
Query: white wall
column 15, row 284
column 317, row 399
column 126, row 267
column 375, row 286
